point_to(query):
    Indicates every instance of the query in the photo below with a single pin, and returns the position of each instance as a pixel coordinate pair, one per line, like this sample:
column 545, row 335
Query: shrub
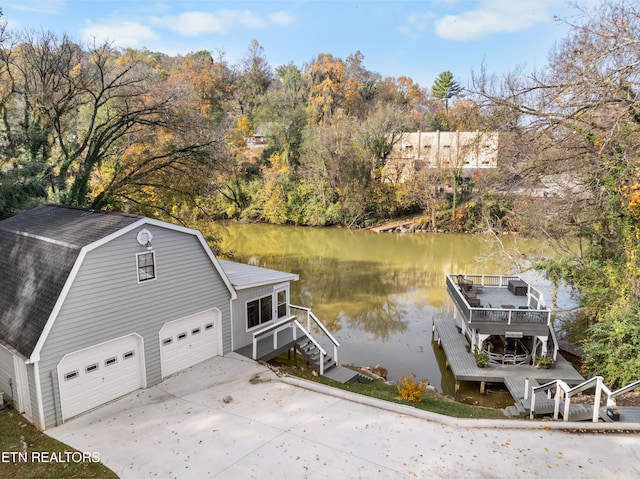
column 409, row 389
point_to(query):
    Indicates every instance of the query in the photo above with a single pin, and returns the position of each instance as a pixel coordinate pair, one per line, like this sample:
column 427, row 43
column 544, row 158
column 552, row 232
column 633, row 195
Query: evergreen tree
column 445, row 87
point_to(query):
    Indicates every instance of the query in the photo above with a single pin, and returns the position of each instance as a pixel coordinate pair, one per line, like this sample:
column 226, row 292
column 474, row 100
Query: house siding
column 106, row 302
column 7, row 373
column 242, row 337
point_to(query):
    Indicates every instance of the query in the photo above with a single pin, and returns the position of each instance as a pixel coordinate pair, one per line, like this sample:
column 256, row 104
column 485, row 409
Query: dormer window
column 146, row 266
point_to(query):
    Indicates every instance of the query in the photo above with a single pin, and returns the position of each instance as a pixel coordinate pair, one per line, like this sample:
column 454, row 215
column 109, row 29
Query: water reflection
column 376, row 292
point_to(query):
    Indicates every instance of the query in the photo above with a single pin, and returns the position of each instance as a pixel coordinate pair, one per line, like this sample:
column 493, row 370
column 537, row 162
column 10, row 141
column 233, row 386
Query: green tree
column 445, row 87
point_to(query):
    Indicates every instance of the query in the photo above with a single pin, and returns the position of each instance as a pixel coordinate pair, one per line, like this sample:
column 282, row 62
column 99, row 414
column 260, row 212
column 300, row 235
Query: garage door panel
column 96, row 375
column 189, row 341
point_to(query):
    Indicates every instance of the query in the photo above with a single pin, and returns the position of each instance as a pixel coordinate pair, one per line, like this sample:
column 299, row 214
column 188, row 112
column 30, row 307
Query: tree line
column 166, row 136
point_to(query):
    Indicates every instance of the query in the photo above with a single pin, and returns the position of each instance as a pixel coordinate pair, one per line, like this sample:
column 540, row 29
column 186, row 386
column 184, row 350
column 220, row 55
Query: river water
column 377, row 293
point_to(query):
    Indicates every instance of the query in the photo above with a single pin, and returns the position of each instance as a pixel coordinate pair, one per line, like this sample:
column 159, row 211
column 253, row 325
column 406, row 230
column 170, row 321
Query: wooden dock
column 463, row 364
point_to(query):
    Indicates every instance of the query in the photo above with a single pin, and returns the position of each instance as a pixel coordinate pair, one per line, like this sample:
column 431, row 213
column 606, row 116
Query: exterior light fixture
column 144, row 238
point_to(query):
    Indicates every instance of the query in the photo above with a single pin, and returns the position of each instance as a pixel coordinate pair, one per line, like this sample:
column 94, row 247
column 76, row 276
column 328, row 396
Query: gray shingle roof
column 38, row 249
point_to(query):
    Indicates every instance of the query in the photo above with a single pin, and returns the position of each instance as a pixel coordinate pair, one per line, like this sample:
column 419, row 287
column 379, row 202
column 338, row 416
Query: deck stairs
column 332, row 370
column 544, row 405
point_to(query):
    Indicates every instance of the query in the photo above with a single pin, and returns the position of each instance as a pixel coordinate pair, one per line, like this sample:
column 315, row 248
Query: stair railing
column 272, row 328
column 309, row 317
column 563, row 391
column 611, row 396
column 290, row 322
column 323, row 353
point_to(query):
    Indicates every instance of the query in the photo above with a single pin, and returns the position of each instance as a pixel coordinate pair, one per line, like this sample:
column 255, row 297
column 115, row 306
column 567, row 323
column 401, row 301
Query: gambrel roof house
column 94, row 305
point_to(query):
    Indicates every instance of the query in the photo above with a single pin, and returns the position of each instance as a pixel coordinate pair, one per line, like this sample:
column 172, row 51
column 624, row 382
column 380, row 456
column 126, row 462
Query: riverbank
column 431, row 400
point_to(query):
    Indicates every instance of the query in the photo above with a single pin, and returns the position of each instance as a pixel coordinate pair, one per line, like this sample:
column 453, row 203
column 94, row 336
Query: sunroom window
column 259, row 311
column 282, row 304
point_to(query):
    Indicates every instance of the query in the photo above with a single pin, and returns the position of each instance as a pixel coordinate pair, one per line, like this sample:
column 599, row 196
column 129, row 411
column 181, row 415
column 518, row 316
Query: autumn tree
column 580, row 120
column 100, row 122
column 255, row 77
column 380, row 132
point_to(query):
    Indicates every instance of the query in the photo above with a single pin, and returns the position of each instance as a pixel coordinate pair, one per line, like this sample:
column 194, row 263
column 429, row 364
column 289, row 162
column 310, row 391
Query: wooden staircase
column 331, row 369
column 544, row 405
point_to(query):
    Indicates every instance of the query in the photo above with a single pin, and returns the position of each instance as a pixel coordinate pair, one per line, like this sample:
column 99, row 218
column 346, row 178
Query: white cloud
column 195, row 23
column 417, row 24
column 122, row 33
column 494, row 16
column 281, row 18
column 46, row 7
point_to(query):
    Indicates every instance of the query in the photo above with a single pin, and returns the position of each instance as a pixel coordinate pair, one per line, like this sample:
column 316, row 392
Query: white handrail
column 611, row 396
column 267, row 330
column 321, row 326
column 563, row 391
column 317, row 345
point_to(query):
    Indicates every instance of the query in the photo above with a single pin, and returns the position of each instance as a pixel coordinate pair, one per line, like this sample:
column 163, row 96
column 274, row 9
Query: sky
column 418, row 39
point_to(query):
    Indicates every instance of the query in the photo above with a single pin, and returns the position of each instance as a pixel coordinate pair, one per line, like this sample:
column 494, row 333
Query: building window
column 146, row 266
column 91, row 368
column 259, row 311
column 282, row 304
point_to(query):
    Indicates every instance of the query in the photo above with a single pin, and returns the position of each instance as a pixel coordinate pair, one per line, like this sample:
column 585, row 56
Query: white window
column 146, row 266
column 282, row 303
column 259, row 311
column 91, row 368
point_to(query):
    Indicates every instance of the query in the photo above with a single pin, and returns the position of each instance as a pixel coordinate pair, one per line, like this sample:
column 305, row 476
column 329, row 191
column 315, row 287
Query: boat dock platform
column 462, row 363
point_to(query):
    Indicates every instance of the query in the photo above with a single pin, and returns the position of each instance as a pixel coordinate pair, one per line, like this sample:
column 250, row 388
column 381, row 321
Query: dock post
column 526, row 388
column 457, row 386
column 483, row 386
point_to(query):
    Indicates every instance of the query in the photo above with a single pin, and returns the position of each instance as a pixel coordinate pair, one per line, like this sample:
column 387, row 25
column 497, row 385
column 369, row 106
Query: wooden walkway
column 463, row 365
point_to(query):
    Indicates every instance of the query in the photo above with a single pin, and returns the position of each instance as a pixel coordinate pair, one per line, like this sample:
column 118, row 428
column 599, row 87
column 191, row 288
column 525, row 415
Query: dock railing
column 536, row 313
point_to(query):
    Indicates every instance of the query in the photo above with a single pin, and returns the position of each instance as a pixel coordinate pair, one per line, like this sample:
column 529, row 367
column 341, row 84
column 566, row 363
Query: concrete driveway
column 232, row 418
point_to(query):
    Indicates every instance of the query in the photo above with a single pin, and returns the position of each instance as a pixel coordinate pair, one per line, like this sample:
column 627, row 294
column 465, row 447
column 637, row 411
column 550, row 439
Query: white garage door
column 93, row 376
column 188, row 341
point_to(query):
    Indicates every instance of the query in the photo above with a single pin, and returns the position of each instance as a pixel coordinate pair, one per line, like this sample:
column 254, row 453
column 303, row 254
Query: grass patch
column 18, row 435
column 431, row 401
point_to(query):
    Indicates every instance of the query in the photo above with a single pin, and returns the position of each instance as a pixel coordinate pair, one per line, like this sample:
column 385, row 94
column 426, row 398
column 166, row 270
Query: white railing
column 563, row 391
column 290, row 322
column 535, row 313
column 293, row 322
column 310, row 317
column 611, row 396
column 517, row 359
